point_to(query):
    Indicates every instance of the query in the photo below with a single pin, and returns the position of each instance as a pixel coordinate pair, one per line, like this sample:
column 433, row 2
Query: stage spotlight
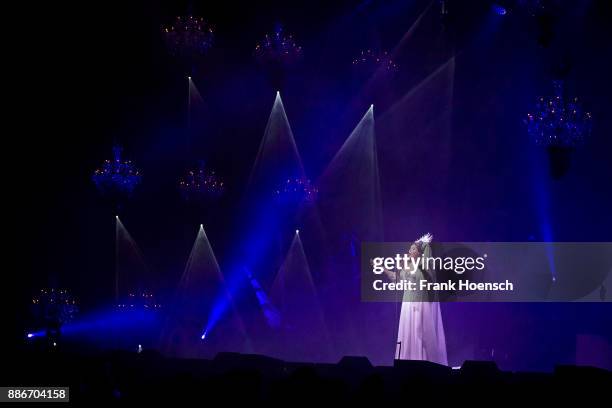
column 297, row 231
column 116, row 217
column 499, row 10
column 203, row 336
column 36, row 334
column 189, row 78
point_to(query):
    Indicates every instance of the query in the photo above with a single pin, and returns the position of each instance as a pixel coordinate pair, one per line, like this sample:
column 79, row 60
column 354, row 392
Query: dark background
column 97, row 72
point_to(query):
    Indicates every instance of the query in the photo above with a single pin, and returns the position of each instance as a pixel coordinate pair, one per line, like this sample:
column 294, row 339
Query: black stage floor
column 232, row 377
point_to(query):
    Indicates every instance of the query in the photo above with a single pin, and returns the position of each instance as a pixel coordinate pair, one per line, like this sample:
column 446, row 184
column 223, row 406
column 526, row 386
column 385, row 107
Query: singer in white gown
column 420, row 335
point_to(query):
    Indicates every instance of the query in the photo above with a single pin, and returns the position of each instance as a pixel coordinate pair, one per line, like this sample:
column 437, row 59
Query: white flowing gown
column 420, row 335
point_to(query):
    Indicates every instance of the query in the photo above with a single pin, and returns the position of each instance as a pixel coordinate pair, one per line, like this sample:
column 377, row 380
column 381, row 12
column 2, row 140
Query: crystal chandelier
column 200, row 182
column 188, row 36
column 278, row 48
column 117, row 175
column 297, row 189
column 139, row 300
column 371, row 61
column 55, row 306
column 558, row 121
